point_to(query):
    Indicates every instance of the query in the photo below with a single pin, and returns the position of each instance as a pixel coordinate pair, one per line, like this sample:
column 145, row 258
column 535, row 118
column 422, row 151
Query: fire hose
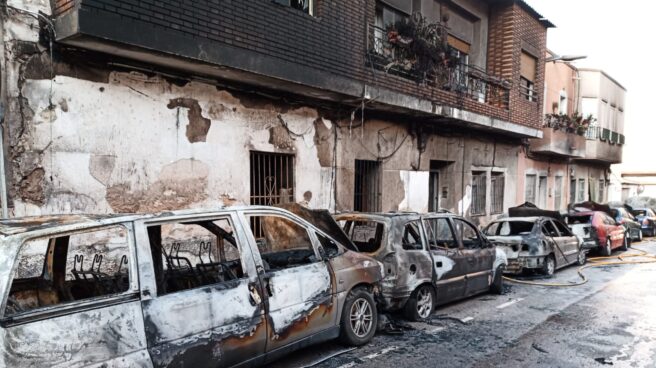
column 642, row 257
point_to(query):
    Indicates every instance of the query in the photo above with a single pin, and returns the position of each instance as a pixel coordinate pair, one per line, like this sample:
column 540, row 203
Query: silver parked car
column 536, row 243
column 429, row 259
column 220, row 288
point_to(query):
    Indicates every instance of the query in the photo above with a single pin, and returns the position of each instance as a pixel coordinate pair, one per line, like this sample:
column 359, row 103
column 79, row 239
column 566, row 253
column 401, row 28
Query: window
column 498, row 183
column 562, row 229
column 509, row 228
column 478, row 193
column 459, row 53
column 542, row 192
column 558, row 193
column 411, row 239
column 602, row 190
column 386, row 15
column 367, row 186
column 529, row 191
column 305, row 6
column 467, row 234
column 283, row 243
column 187, row 255
column 366, row 235
column 328, row 246
column 528, row 71
column 581, row 189
column 272, row 178
column 440, row 234
column 66, row 268
column 549, row 229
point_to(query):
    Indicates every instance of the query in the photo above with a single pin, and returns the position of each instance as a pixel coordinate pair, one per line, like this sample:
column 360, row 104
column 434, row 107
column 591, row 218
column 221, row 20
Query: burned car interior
column 187, row 255
column 70, row 268
column 366, row 235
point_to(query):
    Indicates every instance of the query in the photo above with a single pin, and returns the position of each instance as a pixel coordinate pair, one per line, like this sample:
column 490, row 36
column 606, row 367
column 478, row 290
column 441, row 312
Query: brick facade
column 333, row 41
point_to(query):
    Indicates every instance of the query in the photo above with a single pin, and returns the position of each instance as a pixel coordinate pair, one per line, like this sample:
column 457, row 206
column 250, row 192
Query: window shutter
column 528, row 66
column 458, row 44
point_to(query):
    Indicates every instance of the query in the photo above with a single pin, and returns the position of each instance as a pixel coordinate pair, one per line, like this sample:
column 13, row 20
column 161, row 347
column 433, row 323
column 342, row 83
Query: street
column 608, row 321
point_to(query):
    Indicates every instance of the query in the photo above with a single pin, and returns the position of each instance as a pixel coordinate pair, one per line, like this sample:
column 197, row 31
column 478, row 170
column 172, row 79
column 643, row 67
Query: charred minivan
column 220, row 288
column 536, row 243
column 429, row 259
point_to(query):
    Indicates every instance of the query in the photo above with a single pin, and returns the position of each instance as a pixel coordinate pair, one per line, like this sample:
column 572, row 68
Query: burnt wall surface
column 267, row 38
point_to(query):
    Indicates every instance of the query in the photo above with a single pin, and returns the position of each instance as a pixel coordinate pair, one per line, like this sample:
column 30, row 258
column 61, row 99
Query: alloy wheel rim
column 550, row 266
column 424, row 303
column 361, row 317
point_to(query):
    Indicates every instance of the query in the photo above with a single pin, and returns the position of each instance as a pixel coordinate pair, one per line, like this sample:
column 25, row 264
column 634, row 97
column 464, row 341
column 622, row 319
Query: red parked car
column 598, row 230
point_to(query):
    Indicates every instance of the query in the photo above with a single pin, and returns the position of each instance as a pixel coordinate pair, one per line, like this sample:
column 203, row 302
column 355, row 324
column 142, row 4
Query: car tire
column 581, row 258
column 421, row 304
column 549, row 265
column 607, row 250
column 358, row 307
column 625, row 243
column 497, row 284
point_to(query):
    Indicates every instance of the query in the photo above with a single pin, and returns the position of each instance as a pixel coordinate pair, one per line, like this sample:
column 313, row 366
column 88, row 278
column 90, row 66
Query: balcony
column 559, row 143
column 463, row 80
column 603, row 146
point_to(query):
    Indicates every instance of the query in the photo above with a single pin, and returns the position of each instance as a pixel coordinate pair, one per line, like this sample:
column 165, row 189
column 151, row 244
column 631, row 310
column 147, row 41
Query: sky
column 616, row 36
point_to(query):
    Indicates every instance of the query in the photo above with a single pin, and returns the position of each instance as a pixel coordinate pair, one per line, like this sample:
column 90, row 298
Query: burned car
column 624, row 217
column 428, row 259
column 219, row 288
column 599, row 231
column 536, row 243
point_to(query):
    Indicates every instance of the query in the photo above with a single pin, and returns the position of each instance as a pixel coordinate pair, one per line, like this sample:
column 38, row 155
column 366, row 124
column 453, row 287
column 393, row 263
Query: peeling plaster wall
column 94, row 139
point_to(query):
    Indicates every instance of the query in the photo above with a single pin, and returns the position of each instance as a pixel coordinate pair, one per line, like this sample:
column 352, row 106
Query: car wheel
column 497, row 283
column 625, row 243
column 549, row 265
column 581, row 258
column 607, row 249
column 421, row 303
column 359, row 318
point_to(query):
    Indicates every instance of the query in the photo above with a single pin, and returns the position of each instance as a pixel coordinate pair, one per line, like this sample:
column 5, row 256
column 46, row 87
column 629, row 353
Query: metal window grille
column 478, row 193
column 272, row 181
column 366, row 194
column 602, row 189
column 542, row 192
column 558, row 193
column 529, row 192
column 498, row 184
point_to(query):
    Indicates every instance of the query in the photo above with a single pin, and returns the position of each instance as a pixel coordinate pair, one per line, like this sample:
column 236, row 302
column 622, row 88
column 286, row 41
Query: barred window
column 529, row 192
column 478, row 193
column 498, row 184
column 581, row 190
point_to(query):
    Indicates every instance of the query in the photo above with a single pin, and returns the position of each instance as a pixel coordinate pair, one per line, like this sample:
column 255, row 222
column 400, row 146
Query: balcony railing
column 605, row 135
column 466, row 80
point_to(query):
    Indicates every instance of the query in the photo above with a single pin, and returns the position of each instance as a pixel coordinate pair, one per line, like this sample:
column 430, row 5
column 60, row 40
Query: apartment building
column 133, row 106
column 582, row 138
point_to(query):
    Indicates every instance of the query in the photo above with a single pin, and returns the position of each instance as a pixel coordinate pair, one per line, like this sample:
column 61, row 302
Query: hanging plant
column 571, row 124
column 418, row 46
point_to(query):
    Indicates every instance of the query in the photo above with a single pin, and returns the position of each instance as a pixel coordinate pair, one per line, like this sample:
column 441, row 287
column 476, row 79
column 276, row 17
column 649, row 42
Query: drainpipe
column 3, row 181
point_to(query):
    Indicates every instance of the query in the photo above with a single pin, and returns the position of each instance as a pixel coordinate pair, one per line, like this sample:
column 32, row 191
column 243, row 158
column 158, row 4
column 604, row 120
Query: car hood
column 322, row 220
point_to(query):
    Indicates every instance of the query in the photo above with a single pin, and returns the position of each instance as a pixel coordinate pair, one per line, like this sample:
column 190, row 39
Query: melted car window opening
column 411, row 240
column 509, row 228
column 187, row 255
column 467, row 234
column 366, row 235
column 282, row 243
column 64, row 269
column 440, row 235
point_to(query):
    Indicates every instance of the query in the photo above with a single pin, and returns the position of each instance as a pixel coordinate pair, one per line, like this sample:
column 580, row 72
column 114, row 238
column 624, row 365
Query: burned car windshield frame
column 500, row 223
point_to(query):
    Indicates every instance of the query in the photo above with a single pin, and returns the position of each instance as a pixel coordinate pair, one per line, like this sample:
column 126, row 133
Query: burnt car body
column 535, row 243
column 428, row 259
column 624, row 217
column 647, row 219
column 599, row 231
column 215, row 288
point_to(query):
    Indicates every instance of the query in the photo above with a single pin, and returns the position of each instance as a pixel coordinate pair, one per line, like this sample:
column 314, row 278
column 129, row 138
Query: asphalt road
column 611, row 320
